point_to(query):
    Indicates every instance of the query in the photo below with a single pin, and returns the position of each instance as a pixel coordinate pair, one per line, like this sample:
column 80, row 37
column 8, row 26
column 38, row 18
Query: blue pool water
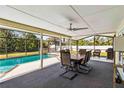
column 7, row 64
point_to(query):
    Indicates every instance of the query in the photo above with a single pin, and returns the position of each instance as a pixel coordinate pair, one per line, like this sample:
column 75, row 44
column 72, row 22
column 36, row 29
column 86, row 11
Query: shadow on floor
column 99, row 77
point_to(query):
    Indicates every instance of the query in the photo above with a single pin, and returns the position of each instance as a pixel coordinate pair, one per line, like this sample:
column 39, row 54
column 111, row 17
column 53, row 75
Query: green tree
column 5, row 42
column 31, row 42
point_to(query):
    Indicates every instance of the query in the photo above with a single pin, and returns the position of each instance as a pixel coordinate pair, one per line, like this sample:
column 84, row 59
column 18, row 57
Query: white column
column 77, row 46
column 94, row 44
column 60, row 43
column 41, row 50
column 70, row 44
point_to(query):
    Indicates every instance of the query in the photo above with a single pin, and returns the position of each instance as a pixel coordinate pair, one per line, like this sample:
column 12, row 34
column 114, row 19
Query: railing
column 102, row 48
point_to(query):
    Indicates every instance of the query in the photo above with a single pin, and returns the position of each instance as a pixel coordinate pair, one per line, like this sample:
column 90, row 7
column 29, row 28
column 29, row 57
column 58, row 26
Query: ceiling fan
column 75, row 29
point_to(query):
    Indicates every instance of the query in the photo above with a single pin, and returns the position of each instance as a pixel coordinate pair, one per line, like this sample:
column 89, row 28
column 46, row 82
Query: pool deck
column 27, row 68
column 101, row 59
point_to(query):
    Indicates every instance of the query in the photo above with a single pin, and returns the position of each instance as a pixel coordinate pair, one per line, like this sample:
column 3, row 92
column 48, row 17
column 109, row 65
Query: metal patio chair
column 67, row 65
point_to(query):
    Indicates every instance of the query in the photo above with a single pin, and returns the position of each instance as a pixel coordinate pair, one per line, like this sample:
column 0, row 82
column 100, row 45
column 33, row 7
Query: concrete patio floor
column 27, row 68
column 100, row 77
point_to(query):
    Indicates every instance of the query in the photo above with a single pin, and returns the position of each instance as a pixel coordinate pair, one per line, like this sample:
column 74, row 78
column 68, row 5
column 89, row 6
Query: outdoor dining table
column 76, row 59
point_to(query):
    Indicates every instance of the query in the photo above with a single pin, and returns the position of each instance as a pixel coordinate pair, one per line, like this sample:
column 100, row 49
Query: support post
column 55, row 44
column 94, row 44
column 70, row 44
column 116, row 59
column 25, row 45
column 77, row 46
column 41, row 50
column 6, row 49
column 60, row 43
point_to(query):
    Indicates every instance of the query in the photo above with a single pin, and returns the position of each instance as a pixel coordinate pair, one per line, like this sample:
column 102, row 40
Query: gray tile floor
column 99, row 77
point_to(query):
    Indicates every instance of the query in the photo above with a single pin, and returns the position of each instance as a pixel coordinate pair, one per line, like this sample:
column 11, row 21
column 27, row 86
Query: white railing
column 102, row 48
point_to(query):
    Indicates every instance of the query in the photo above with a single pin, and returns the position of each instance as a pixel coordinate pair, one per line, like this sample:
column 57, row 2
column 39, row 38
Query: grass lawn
column 103, row 54
column 73, row 52
column 18, row 54
column 21, row 54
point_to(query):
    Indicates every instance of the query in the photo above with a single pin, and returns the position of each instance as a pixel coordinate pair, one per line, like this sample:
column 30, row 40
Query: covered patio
column 56, row 28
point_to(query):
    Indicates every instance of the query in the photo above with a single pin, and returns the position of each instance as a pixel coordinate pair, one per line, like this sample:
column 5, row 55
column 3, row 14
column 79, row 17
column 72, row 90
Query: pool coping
column 9, row 78
column 17, row 57
column 8, row 71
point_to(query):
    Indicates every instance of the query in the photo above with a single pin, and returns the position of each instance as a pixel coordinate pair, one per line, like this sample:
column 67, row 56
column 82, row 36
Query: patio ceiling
column 98, row 19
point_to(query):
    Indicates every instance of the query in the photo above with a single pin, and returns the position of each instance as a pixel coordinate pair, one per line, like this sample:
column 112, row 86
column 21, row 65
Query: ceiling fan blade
column 75, row 29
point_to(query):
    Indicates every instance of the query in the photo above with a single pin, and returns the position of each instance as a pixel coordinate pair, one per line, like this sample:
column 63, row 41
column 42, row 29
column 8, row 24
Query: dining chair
column 84, row 64
column 67, row 65
column 97, row 52
column 67, row 50
column 82, row 51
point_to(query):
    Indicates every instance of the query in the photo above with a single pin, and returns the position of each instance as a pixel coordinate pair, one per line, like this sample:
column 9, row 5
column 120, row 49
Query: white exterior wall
column 119, row 31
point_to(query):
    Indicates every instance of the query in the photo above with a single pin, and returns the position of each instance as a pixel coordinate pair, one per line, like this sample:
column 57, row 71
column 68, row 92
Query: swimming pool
column 8, row 64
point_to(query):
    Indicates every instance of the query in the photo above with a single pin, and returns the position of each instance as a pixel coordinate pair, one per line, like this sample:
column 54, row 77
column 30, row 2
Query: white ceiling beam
column 82, row 19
